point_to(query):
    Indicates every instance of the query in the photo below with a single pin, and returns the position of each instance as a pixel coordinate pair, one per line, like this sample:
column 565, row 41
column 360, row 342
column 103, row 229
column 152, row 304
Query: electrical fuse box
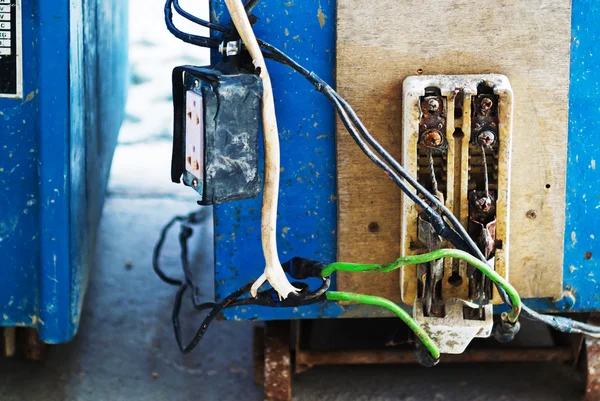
column 457, row 142
column 216, row 129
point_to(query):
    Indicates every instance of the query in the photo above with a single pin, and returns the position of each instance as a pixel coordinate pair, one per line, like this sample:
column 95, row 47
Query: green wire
column 512, row 316
column 386, row 303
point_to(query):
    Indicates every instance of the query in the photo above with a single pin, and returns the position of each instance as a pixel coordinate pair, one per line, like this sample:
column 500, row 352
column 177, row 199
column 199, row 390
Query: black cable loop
column 196, row 20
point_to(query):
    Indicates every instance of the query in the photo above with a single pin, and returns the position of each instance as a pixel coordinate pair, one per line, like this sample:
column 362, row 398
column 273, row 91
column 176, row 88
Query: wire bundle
column 297, row 268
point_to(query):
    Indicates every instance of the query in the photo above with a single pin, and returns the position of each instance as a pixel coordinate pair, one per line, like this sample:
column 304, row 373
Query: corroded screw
column 484, row 203
column 433, row 105
column 432, row 138
column 486, row 104
column 531, row 214
column 486, row 138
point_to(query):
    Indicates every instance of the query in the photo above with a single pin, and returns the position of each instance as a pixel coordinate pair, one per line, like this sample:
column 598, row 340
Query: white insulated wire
column 273, row 273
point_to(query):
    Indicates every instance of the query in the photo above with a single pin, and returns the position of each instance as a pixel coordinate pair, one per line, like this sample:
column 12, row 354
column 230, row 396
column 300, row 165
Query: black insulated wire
column 298, row 268
column 201, row 41
column 344, row 112
column 250, row 4
column 197, row 20
column 466, row 243
column 157, row 250
column 192, row 218
column 214, row 312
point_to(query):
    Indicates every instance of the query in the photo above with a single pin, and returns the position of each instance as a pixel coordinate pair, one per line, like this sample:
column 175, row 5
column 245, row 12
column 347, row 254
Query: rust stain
column 30, row 97
column 322, row 17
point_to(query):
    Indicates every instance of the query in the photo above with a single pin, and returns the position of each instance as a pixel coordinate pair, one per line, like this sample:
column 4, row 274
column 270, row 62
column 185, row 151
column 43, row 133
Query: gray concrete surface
column 125, row 349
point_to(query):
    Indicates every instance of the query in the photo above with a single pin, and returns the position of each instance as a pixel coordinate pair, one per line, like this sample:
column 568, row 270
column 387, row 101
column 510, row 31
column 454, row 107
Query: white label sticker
column 11, row 44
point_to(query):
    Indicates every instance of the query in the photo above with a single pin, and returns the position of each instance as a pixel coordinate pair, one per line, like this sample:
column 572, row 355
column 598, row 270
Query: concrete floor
column 125, row 349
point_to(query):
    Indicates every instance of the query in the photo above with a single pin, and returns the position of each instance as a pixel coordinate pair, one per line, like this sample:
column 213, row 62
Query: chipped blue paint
column 55, row 157
column 307, row 214
column 582, row 229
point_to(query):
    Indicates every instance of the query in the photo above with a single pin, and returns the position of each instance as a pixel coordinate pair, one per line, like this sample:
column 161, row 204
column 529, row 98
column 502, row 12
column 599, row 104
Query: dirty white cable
column 273, row 271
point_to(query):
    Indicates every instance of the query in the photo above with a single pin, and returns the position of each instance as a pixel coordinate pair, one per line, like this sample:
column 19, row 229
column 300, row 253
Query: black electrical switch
column 215, row 138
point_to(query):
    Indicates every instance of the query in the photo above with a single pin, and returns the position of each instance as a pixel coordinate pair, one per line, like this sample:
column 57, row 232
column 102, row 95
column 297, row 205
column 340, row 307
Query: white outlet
column 194, row 135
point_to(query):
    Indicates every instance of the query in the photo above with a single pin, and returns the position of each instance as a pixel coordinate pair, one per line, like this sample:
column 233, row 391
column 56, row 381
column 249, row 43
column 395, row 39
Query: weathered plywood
column 380, row 44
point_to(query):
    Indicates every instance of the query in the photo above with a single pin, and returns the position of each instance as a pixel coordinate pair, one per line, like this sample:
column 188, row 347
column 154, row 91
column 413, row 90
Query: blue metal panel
column 19, row 199
column 55, row 159
column 307, row 207
column 582, row 230
column 307, row 219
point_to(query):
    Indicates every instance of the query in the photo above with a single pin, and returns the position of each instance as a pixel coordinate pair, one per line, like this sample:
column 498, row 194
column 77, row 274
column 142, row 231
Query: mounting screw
column 531, row 214
column 196, row 83
column 432, row 138
column 484, row 203
column 195, row 183
column 486, row 138
column 433, row 105
column 485, row 105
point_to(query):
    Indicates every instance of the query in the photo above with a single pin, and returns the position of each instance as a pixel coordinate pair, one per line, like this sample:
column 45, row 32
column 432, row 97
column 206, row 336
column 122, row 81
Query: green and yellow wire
column 386, row 303
column 512, row 316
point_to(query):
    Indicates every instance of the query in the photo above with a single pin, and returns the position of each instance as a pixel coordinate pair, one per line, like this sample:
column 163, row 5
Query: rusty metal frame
column 278, row 361
column 592, row 364
column 308, row 359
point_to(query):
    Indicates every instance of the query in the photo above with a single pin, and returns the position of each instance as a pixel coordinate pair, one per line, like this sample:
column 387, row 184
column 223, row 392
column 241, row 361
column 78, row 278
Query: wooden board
column 380, row 44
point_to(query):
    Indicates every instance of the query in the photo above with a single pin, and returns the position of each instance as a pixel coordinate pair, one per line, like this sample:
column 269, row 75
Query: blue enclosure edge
column 582, row 228
column 57, row 147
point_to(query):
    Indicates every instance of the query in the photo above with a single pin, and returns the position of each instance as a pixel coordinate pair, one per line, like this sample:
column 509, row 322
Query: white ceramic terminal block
column 194, row 135
column 456, row 166
column 452, row 333
column 445, row 121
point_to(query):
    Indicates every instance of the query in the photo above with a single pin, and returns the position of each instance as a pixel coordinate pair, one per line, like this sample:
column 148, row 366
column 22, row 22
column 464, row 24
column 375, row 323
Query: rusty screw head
column 485, row 105
column 531, row 214
column 484, row 203
column 433, row 105
column 432, row 138
column 486, row 138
